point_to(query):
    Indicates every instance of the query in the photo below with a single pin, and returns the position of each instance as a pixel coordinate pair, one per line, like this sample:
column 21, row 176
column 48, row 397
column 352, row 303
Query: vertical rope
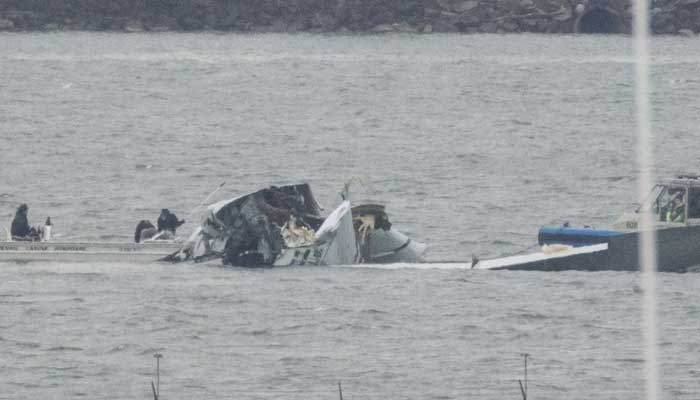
column 647, row 237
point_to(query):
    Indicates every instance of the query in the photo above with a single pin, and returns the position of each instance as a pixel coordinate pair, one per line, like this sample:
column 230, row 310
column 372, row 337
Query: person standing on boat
column 168, row 221
column 20, row 226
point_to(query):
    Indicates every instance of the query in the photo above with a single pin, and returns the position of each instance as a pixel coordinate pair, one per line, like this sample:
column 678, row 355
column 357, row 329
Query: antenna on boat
column 523, row 391
column 345, row 193
column 203, row 202
column 340, row 390
column 156, row 387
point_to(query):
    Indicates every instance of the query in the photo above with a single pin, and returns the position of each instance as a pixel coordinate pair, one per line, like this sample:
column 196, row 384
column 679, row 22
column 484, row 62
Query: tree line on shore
column 373, row 16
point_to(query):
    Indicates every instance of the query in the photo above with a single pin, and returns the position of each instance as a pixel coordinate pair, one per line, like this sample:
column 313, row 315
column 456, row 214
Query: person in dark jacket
column 20, row 225
column 144, row 230
column 168, row 221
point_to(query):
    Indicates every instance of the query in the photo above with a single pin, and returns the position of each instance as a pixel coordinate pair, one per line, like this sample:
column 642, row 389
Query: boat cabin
column 673, row 202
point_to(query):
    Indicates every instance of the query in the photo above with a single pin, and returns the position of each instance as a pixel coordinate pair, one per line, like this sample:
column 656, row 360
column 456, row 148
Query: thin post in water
column 155, row 393
column 523, row 390
column 157, row 356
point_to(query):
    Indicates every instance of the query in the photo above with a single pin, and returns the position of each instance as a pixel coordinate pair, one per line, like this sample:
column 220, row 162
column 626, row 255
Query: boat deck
column 18, row 251
column 573, row 258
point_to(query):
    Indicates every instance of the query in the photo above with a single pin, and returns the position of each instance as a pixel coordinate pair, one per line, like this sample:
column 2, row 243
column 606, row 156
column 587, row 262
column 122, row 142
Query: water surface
column 472, row 141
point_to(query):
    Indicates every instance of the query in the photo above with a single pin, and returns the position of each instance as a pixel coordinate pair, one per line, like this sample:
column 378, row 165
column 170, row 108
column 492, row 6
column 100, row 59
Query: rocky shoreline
column 371, row 16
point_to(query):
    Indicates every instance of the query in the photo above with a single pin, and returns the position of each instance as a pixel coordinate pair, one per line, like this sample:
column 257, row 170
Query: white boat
column 576, row 258
column 276, row 226
column 25, row 251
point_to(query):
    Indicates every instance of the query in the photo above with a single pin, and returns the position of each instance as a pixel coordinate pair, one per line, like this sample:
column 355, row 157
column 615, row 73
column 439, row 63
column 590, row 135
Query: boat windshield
column 651, row 200
column 694, row 203
column 667, row 203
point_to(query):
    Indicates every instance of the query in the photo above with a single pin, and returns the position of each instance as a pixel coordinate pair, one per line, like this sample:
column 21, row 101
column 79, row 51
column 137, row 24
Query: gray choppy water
column 472, row 141
column 90, row 330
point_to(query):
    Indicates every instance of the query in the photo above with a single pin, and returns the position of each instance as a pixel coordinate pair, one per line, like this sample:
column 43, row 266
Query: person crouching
column 168, row 222
column 20, row 226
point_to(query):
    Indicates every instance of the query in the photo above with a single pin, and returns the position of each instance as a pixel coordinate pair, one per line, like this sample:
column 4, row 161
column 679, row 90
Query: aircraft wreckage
column 283, row 226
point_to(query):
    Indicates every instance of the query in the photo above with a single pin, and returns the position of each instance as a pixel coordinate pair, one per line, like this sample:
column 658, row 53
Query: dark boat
column 675, row 206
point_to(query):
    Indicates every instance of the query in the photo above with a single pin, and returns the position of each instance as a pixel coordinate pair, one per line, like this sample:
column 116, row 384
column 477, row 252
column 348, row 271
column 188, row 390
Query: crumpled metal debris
column 295, row 235
column 282, row 225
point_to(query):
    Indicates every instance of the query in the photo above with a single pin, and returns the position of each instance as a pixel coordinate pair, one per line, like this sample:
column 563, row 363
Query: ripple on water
column 456, row 136
column 27, row 345
column 64, row 348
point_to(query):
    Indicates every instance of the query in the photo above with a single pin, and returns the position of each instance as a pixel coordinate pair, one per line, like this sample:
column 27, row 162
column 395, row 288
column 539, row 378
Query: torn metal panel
column 282, row 226
column 392, row 246
column 378, row 242
column 334, row 243
column 336, row 238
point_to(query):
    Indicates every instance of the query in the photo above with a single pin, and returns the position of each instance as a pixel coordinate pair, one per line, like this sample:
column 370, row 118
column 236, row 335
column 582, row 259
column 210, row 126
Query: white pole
column 647, row 237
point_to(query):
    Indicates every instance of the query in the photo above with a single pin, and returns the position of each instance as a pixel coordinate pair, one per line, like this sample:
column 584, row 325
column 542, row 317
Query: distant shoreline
column 346, row 16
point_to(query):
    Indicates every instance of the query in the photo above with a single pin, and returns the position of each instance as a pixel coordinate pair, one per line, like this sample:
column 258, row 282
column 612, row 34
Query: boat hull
column 17, row 251
column 678, row 250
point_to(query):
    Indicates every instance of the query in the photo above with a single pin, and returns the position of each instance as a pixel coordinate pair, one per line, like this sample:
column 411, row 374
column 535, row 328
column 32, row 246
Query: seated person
column 144, row 230
column 20, row 226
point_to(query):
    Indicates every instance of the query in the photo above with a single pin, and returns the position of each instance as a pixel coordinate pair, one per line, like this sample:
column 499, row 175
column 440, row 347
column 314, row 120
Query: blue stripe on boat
column 576, row 237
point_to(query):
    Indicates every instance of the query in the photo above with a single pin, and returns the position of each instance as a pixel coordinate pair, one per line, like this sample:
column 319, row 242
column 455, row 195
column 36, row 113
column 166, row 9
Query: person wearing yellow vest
column 676, row 210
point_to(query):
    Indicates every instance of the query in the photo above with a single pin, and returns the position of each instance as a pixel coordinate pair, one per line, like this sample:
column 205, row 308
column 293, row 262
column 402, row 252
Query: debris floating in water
column 283, row 226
